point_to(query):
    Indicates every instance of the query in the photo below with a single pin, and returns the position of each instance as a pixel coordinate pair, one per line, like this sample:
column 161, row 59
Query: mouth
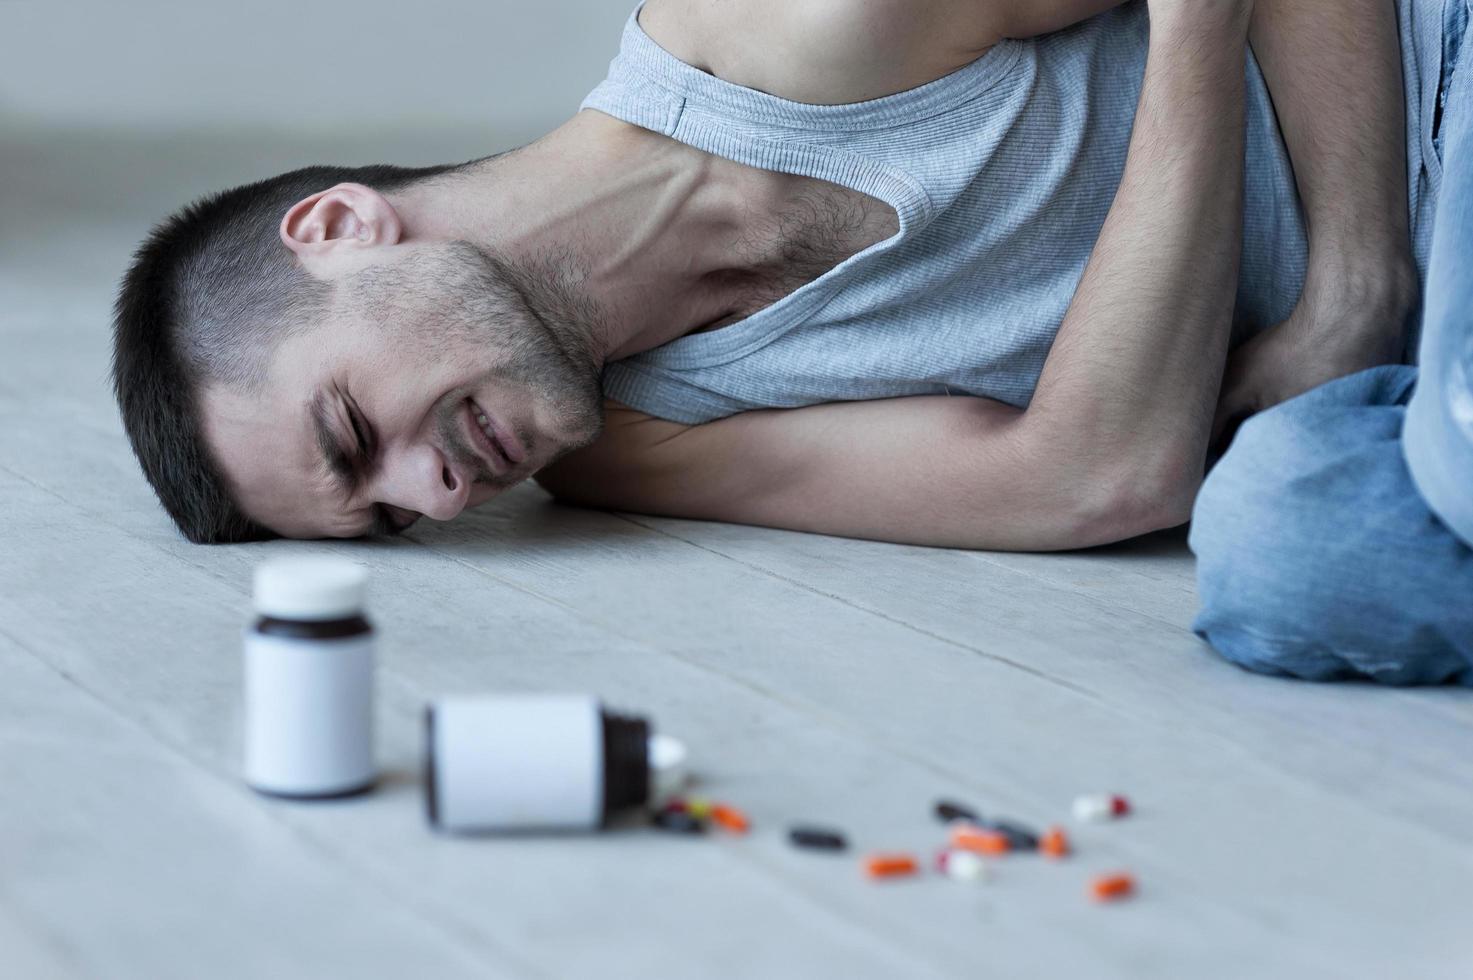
column 500, row 448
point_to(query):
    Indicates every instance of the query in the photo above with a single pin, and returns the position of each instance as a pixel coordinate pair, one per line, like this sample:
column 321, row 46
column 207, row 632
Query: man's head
column 288, row 360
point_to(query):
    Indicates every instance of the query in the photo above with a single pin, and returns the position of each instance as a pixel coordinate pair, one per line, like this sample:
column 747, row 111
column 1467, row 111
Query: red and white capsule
column 1097, row 807
column 960, row 865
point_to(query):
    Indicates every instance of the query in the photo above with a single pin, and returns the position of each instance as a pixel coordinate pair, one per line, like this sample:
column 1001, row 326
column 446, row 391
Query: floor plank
column 384, row 841
column 1331, row 734
column 119, row 854
column 944, row 704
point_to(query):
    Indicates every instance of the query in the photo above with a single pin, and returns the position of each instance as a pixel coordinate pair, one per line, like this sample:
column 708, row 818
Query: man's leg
column 1333, row 539
column 1316, row 556
column 1439, row 429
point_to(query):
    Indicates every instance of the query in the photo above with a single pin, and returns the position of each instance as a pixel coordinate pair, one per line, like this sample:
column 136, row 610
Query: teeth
column 485, row 425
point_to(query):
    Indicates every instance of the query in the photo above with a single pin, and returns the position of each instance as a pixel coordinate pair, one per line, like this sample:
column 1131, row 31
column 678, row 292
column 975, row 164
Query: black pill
column 679, row 822
column 947, row 811
column 1019, row 838
column 818, row 838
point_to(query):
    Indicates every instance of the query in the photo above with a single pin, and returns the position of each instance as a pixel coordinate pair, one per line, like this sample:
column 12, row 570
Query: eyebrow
column 341, row 466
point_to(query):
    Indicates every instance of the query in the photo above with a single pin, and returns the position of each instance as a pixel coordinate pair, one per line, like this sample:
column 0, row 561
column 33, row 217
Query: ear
column 345, row 217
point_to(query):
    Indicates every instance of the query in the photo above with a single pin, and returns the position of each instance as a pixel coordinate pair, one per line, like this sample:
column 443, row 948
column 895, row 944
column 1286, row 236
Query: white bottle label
column 308, row 714
column 518, row 762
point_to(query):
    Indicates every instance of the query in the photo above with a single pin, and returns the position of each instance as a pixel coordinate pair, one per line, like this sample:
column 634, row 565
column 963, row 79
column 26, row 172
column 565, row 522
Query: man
column 705, row 293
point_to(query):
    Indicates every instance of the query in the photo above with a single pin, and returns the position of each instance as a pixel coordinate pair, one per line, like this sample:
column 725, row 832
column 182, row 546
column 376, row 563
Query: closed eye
column 362, row 431
column 385, row 520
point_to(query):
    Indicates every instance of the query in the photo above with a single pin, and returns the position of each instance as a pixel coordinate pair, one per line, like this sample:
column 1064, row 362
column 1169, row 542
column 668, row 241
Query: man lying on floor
column 705, row 294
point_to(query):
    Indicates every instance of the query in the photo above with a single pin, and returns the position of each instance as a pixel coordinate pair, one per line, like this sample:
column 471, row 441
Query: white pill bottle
column 541, row 762
column 309, row 680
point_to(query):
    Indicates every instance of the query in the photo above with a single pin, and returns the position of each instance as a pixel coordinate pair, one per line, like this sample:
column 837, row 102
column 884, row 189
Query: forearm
column 1334, row 72
column 1131, row 382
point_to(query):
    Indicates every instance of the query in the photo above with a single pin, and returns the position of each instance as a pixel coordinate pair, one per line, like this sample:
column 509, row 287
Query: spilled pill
column 728, row 817
column 679, row 822
column 890, row 865
column 961, row 865
column 1092, row 808
column 1095, row 807
column 982, row 840
column 1055, row 843
column 817, row 838
column 1108, row 888
column 1019, row 838
column 947, row 811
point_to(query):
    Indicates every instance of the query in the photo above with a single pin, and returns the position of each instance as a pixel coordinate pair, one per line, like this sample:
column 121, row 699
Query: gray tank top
column 1001, row 174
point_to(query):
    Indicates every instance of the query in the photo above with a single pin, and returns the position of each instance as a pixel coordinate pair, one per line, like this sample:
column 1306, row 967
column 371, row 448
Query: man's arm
column 1334, row 71
column 1113, row 441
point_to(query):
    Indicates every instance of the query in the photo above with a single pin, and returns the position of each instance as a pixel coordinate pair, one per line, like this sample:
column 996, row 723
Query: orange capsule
column 1055, row 843
column 730, row 818
column 969, row 837
column 890, row 865
column 1107, row 888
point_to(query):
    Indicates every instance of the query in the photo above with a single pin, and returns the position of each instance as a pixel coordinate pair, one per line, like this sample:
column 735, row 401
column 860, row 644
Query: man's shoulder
column 826, row 52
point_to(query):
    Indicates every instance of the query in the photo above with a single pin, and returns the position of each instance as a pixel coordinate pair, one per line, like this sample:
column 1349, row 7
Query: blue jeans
column 1334, row 538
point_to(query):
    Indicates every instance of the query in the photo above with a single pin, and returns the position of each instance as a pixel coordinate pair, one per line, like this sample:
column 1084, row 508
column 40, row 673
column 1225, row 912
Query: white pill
column 1093, row 808
column 964, row 866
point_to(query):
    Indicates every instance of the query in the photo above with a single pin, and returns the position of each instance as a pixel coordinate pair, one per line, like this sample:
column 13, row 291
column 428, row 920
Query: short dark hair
column 210, row 291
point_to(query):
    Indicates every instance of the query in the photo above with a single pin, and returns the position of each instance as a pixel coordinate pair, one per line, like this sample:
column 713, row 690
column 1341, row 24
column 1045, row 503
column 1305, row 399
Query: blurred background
column 494, row 65
column 112, row 114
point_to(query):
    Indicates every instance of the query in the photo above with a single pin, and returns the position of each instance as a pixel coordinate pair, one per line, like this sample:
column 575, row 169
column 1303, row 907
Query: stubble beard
column 535, row 313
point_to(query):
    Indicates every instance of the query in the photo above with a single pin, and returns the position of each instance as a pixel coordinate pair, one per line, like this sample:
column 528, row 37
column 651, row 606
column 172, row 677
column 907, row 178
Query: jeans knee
column 1254, row 550
column 1317, row 559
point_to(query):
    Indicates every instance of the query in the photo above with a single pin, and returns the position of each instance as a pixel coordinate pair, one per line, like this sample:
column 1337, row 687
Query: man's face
column 430, row 387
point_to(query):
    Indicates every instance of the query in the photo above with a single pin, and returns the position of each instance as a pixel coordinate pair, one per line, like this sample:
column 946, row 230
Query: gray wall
column 113, row 114
column 508, row 65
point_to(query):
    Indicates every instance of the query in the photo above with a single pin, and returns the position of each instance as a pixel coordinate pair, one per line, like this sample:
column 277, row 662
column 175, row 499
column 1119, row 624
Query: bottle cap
column 313, row 589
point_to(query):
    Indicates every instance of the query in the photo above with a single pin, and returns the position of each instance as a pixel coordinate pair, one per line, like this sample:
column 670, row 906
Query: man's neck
column 655, row 231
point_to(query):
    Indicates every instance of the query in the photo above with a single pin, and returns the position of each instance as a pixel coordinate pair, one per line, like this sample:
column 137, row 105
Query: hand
column 1322, row 340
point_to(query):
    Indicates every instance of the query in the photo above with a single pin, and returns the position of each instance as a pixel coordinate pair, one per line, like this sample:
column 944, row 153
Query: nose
column 419, row 478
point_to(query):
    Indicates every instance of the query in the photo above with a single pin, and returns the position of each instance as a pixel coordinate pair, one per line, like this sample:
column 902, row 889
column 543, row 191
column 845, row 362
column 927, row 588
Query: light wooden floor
column 1283, row 829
